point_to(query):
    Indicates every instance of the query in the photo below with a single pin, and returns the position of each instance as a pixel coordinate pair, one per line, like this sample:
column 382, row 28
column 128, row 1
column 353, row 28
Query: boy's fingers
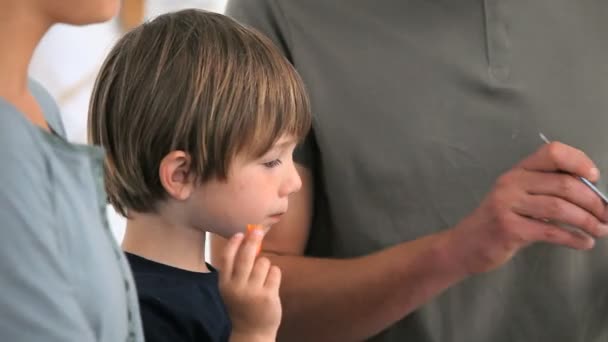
column 260, row 271
column 273, row 280
column 227, row 260
column 245, row 256
column 251, row 228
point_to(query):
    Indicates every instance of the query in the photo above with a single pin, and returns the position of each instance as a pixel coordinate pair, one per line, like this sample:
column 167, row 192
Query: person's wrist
column 450, row 253
column 251, row 335
column 254, row 333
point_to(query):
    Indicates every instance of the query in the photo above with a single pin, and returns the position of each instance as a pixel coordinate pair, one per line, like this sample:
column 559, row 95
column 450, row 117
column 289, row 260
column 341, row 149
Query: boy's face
column 255, row 192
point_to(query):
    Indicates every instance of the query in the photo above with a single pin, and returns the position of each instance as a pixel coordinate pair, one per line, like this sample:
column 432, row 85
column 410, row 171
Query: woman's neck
column 21, row 29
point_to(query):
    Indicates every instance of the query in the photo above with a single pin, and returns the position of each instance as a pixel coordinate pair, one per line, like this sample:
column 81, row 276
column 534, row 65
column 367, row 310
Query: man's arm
column 347, row 299
column 354, row 299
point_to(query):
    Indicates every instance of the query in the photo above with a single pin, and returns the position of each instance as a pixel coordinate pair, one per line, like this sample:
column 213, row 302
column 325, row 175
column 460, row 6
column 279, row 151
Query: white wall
column 67, row 60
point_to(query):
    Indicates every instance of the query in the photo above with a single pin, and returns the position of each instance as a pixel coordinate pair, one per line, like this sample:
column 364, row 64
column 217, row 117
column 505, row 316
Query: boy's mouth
column 277, row 216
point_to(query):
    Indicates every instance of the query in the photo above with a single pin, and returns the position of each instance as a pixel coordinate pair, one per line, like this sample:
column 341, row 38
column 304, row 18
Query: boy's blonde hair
column 193, row 81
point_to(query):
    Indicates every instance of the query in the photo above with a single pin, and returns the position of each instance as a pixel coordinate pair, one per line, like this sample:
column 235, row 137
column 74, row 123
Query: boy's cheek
column 226, row 231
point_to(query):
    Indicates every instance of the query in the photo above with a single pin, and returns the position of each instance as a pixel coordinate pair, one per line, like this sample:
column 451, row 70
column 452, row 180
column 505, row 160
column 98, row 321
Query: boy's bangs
column 282, row 110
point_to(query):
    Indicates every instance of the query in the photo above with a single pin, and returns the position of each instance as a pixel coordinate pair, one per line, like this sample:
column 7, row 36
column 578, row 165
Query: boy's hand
column 250, row 288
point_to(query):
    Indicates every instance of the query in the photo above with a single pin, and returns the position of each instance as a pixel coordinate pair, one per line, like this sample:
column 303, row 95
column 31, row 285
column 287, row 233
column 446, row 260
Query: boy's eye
column 273, row 163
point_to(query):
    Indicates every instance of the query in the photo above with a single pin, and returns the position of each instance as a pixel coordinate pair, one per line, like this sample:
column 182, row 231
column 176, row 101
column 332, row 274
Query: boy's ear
column 175, row 175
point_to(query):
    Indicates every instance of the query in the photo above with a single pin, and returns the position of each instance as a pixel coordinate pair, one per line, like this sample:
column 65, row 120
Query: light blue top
column 63, row 277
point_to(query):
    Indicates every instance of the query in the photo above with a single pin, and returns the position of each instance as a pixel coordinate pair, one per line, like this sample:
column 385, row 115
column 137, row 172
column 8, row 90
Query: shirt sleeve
column 37, row 301
column 267, row 17
column 51, row 110
column 304, row 153
column 264, row 16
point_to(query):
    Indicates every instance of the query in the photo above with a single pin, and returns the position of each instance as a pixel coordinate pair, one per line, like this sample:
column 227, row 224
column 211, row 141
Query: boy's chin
column 228, row 232
column 263, row 227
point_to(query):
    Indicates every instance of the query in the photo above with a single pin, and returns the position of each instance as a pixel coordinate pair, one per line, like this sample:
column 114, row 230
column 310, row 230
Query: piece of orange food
column 250, row 229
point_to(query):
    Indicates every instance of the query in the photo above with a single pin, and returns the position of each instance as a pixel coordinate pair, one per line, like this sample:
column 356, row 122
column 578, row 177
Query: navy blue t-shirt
column 178, row 305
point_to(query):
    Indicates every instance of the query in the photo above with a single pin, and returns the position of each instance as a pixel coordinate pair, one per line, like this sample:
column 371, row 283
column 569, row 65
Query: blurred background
column 68, row 59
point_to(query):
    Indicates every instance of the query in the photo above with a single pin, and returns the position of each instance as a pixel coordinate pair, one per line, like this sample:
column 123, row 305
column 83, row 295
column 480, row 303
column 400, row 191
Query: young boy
column 199, row 117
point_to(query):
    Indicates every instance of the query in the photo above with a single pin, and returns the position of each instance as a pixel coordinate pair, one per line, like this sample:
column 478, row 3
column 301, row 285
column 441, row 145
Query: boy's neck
column 152, row 237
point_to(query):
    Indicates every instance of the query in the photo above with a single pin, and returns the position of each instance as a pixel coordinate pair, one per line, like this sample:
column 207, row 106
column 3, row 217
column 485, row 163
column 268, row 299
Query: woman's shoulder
column 19, row 138
column 21, row 150
column 49, row 107
column 15, row 131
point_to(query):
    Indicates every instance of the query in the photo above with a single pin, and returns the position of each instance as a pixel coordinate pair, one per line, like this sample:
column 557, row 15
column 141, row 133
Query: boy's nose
column 293, row 182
